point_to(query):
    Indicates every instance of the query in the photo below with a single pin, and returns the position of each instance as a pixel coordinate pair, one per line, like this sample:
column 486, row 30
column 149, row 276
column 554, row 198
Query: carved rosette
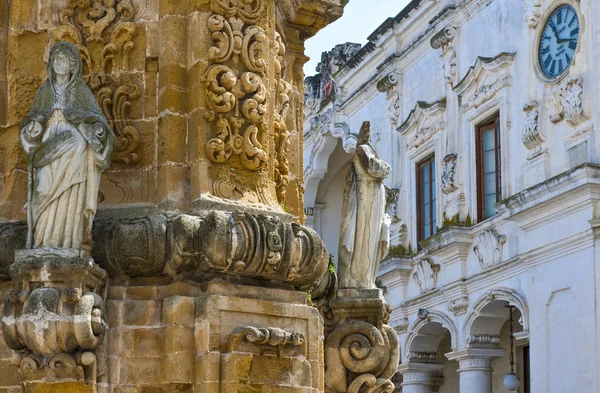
column 488, row 248
column 531, row 136
column 448, row 174
column 104, row 32
column 235, row 91
column 55, row 315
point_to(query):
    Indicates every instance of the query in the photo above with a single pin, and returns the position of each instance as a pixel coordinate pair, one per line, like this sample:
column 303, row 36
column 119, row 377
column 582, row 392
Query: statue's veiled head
column 364, row 136
column 64, row 60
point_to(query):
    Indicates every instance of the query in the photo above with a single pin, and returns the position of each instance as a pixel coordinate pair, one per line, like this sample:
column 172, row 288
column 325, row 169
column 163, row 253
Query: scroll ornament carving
column 448, row 174
column 236, row 99
column 531, row 136
column 401, row 325
column 489, row 248
column 444, row 40
column 425, row 274
column 271, row 336
column 389, row 85
column 566, row 102
column 359, row 355
column 459, row 306
column 486, row 93
column 103, row 31
column 425, row 134
column 61, row 323
column 282, row 134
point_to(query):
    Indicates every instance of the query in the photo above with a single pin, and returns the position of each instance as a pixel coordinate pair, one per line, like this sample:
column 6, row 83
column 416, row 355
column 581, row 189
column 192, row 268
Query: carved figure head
column 64, row 58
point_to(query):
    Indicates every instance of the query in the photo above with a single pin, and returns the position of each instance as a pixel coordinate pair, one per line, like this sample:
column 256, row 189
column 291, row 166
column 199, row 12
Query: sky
column 360, row 19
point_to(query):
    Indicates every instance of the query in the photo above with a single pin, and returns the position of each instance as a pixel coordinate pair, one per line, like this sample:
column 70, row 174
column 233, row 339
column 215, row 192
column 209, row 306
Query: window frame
column 494, row 124
column 432, row 203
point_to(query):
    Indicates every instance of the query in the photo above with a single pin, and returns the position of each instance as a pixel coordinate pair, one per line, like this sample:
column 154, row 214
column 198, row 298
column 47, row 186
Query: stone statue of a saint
column 364, row 233
column 69, row 143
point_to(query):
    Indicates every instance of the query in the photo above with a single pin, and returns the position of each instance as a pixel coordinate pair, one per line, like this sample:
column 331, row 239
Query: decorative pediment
column 423, row 122
column 488, row 248
column 425, row 274
column 484, row 80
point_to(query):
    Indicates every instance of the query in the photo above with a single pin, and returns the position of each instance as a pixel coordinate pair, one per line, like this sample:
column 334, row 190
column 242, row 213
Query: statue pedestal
column 54, row 318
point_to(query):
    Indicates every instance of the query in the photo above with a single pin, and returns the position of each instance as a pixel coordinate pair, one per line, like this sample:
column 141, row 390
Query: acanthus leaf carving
column 566, row 102
column 425, row 274
column 488, row 248
column 282, row 134
column 531, row 135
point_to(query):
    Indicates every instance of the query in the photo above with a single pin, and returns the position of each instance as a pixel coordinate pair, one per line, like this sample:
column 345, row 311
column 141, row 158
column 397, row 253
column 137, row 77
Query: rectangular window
column 489, row 179
column 426, row 198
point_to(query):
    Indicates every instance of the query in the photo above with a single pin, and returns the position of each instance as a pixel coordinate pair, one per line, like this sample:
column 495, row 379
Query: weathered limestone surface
column 190, row 281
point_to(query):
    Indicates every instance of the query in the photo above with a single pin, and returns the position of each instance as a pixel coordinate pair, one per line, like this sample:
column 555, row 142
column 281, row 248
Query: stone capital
column 421, row 374
column 475, row 359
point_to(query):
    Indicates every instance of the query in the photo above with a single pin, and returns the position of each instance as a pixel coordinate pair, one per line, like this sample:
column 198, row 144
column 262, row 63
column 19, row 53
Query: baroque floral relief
column 531, row 135
column 488, row 248
column 103, row 31
column 236, row 93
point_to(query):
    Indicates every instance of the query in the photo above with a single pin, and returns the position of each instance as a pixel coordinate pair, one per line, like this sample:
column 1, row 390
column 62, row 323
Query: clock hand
column 559, row 41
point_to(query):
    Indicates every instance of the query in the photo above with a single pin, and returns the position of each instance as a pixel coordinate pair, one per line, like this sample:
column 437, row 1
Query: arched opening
column 425, row 366
column 489, row 328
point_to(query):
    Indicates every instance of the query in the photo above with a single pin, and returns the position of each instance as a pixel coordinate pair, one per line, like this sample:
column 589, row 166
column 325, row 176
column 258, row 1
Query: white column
column 475, row 368
column 421, row 377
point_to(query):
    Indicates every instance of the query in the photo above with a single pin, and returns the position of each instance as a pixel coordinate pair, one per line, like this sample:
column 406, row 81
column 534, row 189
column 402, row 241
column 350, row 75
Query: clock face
column 559, row 41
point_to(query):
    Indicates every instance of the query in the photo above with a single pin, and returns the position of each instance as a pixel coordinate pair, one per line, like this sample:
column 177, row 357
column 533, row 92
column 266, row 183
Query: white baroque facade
column 427, row 80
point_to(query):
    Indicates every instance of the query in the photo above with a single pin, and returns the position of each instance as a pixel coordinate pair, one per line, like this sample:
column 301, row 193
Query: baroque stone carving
column 531, row 136
column 282, row 134
column 425, row 134
column 364, row 234
column 69, row 144
column 274, row 337
column 533, row 13
column 422, row 357
column 104, row 32
column 488, row 248
column 486, row 93
column 425, row 274
column 444, row 40
column 448, row 174
column 566, row 102
column 235, row 92
column 56, row 311
column 389, row 85
column 401, row 325
column 459, row 306
column 358, row 353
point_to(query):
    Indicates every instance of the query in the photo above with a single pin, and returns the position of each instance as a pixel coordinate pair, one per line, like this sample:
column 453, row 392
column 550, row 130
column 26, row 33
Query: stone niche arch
column 325, row 133
column 425, row 335
column 488, row 315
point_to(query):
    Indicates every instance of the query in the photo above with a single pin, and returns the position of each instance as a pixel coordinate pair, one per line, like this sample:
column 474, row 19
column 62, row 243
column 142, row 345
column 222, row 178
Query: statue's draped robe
column 363, row 221
column 75, row 147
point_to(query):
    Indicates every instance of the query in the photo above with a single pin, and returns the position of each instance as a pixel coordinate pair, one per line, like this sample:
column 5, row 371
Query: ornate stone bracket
column 459, row 306
column 444, row 40
column 55, row 314
column 566, row 102
column 389, row 85
column 531, row 134
column 361, row 351
column 533, row 13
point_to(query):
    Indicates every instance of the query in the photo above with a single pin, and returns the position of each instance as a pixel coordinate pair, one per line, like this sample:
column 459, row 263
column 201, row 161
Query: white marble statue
column 364, row 236
column 69, row 143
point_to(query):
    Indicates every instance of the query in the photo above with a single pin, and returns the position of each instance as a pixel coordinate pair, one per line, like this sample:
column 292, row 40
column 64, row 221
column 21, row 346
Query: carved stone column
column 421, row 377
column 475, row 368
